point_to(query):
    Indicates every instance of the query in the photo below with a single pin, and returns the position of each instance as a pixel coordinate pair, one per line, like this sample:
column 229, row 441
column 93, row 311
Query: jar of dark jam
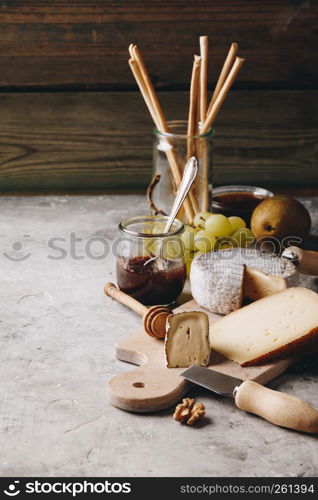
column 150, row 263
column 238, row 200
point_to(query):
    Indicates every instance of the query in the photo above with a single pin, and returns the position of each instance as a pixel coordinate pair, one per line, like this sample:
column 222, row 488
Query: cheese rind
column 220, row 279
column 187, row 339
column 217, row 287
column 275, row 327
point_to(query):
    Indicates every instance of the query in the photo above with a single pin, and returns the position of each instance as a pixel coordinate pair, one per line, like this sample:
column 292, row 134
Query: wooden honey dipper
column 154, row 317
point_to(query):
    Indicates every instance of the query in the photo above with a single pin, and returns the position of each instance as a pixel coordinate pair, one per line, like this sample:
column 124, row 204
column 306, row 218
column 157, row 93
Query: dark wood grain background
column 71, row 118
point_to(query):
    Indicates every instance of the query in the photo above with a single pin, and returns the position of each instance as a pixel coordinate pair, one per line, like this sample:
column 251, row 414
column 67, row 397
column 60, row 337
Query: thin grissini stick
column 194, row 88
column 204, row 153
column 193, row 103
column 202, row 116
column 222, row 95
column 130, row 49
column 142, row 83
column 151, row 99
column 203, row 110
column 204, row 169
column 204, row 44
column 208, row 124
column 170, row 153
column 144, row 92
column 228, row 63
column 204, row 176
column 152, row 93
column 160, row 122
column 136, row 72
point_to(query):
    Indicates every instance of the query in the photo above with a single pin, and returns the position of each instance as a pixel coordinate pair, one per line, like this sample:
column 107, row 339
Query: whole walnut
column 188, row 412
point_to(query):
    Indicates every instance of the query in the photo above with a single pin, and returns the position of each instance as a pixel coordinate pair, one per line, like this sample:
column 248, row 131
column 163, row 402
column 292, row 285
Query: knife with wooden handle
column 276, row 407
column 306, row 261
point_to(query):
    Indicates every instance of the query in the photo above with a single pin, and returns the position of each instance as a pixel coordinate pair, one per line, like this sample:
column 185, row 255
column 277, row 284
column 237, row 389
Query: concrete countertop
column 57, row 351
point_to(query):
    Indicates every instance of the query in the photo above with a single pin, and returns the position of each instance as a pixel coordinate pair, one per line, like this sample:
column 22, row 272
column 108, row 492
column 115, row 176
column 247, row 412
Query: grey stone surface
column 56, row 354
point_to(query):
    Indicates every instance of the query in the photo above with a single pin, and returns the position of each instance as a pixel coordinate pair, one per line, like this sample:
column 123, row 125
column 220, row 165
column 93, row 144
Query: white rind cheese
column 187, row 339
column 220, row 279
column 277, row 326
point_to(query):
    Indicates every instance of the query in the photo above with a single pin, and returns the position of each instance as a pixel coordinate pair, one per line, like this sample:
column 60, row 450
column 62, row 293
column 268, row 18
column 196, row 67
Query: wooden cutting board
column 153, row 387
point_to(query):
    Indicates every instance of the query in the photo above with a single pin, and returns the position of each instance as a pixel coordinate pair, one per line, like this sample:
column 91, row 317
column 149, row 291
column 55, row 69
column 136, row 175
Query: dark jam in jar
column 241, row 204
column 149, row 284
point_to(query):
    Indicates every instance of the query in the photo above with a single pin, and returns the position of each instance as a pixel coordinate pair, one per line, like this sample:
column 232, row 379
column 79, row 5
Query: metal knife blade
column 276, row 407
column 210, row 379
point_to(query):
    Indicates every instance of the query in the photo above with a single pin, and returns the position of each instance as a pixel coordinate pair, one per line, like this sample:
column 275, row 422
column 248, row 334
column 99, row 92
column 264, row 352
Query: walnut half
column 188, row 412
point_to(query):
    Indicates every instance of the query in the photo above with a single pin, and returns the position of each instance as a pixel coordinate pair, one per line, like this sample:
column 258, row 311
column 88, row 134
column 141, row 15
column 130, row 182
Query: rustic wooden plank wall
column 71, row 118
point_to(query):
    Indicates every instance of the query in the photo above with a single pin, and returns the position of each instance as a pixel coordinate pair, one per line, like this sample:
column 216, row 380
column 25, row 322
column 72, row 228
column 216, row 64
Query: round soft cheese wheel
column 217, row 277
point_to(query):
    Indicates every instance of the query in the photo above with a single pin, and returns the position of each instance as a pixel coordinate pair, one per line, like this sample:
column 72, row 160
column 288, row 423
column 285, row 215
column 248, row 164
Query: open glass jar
column 238, row 200
column 200, row 146
column 150, row 263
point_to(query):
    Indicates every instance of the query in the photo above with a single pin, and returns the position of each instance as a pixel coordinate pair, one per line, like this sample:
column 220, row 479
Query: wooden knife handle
column 306, row 260
column 276, row 407
column 112, row 291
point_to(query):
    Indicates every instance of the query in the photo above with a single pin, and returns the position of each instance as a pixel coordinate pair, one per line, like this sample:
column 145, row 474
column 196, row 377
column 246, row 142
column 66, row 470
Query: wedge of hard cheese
column 274, row 327
column 220, row 279
column 187, row 339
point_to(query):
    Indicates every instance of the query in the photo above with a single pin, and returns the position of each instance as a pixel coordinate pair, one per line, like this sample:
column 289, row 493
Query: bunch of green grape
column 214, row 232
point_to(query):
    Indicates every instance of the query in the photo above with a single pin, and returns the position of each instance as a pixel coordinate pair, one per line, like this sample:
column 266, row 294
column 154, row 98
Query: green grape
column 243, row 236
column 237, row 223
column 188, row 238
column 204, row 241
column 218, row 224
column 188, row 258
column 225, row 242
column 171, row 249
column 147, row 229
column 197, row 253
column 200, row 218
column 158, row 228
column 149, row 246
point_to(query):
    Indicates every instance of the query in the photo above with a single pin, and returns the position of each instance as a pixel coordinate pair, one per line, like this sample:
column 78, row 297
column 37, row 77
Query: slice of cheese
column 257, row 284
column 274, row 327
column 187, row 339
column 220, row 279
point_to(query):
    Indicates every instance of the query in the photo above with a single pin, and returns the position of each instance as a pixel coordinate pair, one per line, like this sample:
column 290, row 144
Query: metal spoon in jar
column 189, row 175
